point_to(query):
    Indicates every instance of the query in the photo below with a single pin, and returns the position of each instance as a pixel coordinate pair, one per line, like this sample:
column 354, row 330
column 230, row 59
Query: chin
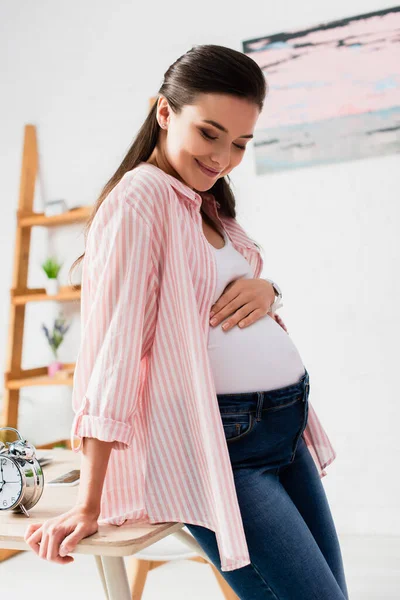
column 203, row 187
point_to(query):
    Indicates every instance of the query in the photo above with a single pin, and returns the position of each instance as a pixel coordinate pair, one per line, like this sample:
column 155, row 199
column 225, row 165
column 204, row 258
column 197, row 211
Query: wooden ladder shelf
column 15, row 377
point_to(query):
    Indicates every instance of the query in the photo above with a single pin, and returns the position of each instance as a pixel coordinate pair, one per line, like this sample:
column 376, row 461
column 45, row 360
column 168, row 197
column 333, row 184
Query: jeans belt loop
column 259, row 405
column 306, row 390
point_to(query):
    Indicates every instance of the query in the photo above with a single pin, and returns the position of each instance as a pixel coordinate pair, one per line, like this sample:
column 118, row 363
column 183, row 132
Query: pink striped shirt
column 143, row 379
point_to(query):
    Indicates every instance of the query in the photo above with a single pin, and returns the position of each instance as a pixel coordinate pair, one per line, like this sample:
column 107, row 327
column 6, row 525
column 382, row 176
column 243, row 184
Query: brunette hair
column 207, row 68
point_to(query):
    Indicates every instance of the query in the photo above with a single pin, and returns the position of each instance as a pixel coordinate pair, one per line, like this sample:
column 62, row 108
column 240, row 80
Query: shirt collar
column 195, row 197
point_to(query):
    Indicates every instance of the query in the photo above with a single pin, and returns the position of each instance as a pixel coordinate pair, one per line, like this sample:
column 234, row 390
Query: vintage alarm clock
column 21, row 476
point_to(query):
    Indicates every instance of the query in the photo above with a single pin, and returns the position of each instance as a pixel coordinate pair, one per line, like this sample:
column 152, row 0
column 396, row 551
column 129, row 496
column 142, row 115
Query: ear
column 163, row 110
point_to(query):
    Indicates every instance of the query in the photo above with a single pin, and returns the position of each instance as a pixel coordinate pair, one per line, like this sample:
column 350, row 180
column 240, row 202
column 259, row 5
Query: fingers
column 45, row 542
column 33, row 535
column 69, row 543
column 43, row 545
column 55, row 536
column 36, row 540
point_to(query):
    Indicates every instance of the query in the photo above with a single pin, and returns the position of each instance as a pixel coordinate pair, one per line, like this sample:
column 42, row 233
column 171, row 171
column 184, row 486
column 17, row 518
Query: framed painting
column 334, row 92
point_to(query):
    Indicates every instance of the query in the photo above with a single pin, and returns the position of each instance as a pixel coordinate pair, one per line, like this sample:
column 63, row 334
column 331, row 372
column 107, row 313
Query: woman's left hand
column 245, row 301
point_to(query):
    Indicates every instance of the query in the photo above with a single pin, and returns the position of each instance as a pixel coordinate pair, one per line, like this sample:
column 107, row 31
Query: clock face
column 10, row 483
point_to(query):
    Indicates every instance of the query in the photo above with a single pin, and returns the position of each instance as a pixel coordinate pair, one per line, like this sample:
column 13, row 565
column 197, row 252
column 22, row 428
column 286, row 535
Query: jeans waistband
column 264, row 399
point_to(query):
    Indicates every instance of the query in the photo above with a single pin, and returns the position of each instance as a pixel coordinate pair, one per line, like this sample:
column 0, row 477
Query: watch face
column 10, row 483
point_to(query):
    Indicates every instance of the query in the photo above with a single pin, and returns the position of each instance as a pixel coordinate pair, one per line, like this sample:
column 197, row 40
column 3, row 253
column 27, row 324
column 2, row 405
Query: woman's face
column 187, row 142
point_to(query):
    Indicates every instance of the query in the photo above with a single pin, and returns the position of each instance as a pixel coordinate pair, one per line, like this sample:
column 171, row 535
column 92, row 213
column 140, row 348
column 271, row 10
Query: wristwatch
column 278, row 295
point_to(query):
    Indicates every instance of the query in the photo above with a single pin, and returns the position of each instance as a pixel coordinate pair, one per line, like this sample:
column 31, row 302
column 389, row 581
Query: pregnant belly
column 260, row 357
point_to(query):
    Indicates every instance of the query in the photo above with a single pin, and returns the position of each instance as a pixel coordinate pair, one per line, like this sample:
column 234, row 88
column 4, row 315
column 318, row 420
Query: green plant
column 51, row 267
column 57, row 336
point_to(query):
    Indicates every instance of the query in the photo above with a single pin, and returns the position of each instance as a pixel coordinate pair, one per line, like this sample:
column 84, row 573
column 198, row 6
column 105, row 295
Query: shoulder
column 145, row 190
column 141, row 192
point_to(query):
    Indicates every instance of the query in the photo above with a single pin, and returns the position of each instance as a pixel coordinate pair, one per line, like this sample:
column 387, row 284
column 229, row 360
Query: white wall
column 83, row 73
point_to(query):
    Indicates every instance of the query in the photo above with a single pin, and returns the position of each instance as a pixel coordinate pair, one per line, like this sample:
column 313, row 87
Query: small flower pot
column 52, row 287
column 53, row 367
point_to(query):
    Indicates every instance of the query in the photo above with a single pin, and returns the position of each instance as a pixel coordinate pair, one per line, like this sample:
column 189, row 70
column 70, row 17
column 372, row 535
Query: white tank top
column 259, row 357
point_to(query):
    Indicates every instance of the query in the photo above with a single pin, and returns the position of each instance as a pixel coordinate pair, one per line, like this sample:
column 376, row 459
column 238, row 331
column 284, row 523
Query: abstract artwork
column 333, row 92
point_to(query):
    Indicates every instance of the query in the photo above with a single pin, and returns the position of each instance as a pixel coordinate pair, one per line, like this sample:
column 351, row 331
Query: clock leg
column 116, row 578
column 23, row 510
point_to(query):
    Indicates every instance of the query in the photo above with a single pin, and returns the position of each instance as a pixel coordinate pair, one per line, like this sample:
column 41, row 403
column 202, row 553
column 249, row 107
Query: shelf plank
column 39, row 376
column 65, row 294
column 74, row 215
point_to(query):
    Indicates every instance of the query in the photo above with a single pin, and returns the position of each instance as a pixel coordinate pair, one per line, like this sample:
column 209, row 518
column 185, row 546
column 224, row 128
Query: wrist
column 278, row 295
column 89, row 508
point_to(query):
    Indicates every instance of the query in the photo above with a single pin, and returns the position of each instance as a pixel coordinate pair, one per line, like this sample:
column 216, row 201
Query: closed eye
column 208, row 137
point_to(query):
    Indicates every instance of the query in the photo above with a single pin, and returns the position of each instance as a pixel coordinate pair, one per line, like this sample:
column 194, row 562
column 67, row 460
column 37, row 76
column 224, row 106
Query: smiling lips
column 207, row 170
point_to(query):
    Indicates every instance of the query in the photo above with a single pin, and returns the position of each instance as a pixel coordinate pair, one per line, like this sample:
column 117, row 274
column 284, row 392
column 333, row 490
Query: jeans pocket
column 237, row 425
column 283, row 424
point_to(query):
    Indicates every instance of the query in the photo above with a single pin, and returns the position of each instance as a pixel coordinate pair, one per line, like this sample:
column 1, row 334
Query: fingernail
column 212, row 313
column 63, row 551
column 213, row 321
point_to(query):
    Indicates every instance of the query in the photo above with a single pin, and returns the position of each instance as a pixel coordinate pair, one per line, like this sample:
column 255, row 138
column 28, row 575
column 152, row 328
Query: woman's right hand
column 67, row 530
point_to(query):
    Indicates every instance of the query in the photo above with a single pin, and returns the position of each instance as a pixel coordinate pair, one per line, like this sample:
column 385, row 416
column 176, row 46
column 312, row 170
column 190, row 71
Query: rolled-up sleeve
column 117, row 278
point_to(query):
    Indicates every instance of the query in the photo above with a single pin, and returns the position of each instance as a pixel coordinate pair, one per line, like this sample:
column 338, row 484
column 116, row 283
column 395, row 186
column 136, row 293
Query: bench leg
column 189, row 540
column 116, row 578
column 100, row 569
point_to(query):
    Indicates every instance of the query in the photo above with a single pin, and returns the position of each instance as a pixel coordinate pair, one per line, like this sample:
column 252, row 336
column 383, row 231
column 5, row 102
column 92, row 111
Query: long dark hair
column 207, row 68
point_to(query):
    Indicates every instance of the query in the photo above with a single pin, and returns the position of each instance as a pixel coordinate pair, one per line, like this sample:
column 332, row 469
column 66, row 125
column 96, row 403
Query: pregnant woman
column 262, row 389
column 181, row 420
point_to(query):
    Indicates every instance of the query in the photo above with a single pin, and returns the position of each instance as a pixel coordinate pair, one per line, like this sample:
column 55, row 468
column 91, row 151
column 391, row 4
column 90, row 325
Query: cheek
column 184, row 143
column 195, row 146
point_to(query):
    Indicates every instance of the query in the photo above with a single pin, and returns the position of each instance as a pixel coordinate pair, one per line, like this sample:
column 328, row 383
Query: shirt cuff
column 101, row 428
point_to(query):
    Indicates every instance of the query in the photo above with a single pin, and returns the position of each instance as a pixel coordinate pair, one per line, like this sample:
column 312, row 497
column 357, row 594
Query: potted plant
column 52, row 268
column 55, row 340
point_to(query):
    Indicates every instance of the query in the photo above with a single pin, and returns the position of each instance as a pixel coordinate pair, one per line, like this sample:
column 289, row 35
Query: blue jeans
column 291, row 537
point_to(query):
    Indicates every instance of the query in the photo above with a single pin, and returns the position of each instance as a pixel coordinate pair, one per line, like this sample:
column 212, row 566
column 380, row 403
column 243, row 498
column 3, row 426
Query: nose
column 220, row 160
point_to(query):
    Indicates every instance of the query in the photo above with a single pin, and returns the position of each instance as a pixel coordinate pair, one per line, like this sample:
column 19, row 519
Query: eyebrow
column 222, row 128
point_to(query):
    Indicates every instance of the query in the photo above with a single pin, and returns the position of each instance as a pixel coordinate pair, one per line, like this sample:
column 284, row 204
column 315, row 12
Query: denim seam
column 263, row 580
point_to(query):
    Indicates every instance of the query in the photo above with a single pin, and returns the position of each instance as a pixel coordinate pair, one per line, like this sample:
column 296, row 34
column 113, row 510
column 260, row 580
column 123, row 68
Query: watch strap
column 278, row 300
